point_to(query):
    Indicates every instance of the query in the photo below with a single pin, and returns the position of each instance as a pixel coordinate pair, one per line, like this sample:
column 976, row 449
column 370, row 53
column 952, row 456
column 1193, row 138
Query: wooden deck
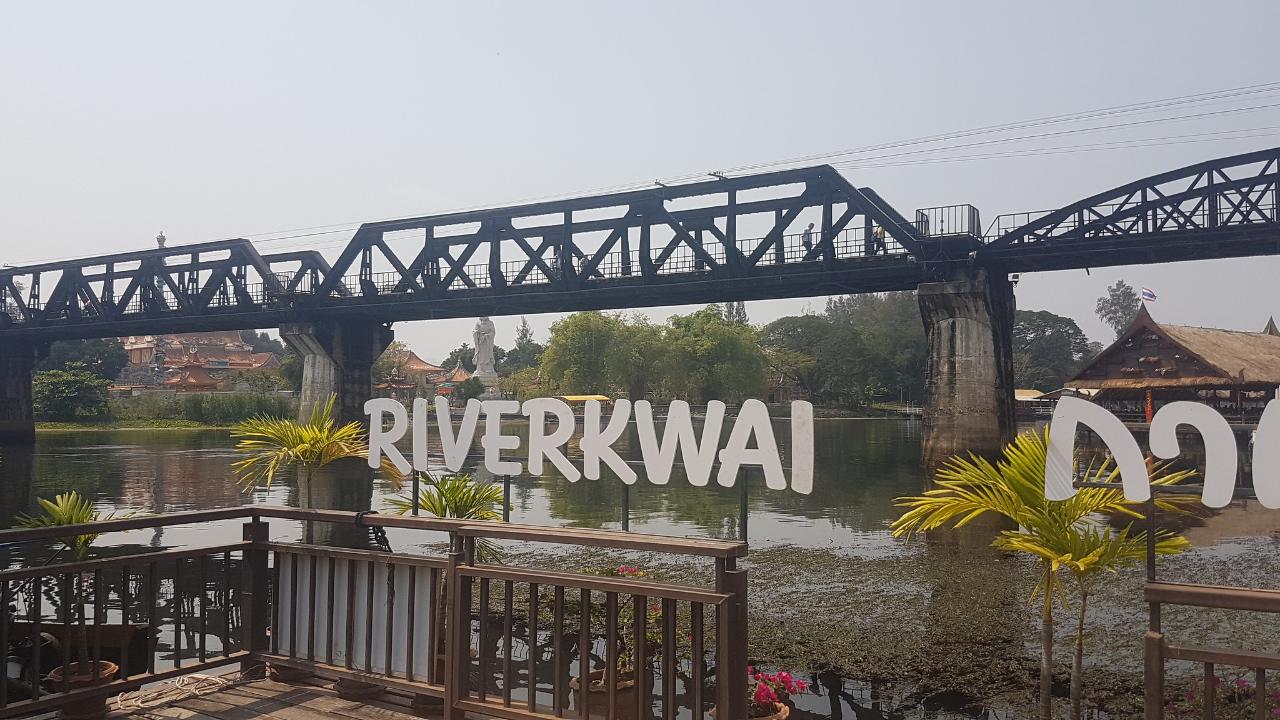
column 281, row 701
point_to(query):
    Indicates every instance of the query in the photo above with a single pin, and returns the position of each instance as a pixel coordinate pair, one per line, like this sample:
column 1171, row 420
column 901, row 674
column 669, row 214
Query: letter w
column 698, row 456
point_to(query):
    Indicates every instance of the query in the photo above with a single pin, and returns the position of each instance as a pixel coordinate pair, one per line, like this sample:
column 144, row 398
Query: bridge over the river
column 794, row 233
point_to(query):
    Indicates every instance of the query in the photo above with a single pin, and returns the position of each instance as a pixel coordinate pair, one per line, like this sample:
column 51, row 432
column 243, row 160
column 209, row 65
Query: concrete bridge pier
column 337, row 359
column 17, row 414
column 969, row 407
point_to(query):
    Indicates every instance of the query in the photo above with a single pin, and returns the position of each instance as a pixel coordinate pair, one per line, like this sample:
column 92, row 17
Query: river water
column 825, row 570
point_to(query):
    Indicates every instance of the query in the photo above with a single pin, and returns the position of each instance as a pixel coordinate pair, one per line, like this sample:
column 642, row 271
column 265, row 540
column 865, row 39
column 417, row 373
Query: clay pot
column 781, row 712
column 81, row 676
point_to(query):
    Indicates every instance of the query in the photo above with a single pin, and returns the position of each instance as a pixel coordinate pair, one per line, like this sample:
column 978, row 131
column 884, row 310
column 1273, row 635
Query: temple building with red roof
column 411, row 376
column 190, row 362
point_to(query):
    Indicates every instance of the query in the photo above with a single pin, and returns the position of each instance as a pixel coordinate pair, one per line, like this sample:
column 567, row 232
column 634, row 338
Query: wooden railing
column 480, row 637
column 1157, row 648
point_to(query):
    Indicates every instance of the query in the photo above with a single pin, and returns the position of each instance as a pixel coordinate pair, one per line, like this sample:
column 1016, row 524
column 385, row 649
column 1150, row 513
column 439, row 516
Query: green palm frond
column 457, row 496
column 969, row 487
column 454, row 496
column 69, row 508
column 1086, row 549
column 271, row 444
column 1064, row 534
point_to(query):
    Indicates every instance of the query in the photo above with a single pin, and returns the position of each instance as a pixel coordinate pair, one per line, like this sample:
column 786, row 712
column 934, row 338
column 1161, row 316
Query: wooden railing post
column 1153, row 675
column 457, row 625
column 254, row 594
column 731, row 641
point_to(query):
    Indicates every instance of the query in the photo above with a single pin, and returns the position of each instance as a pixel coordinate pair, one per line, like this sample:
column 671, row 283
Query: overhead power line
column 1146, row 106
column 871, row 156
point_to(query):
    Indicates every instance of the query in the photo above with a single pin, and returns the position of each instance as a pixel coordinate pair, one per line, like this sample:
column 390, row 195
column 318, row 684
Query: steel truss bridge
column 741, row 238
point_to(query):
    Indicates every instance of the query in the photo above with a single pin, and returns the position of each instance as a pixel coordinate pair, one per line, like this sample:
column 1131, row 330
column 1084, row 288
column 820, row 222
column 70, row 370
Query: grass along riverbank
column 130, row 424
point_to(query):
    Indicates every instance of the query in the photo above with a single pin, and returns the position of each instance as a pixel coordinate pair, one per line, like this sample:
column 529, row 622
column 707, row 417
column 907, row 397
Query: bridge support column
column 337, row 359
column 969, row 322
column 17, row 413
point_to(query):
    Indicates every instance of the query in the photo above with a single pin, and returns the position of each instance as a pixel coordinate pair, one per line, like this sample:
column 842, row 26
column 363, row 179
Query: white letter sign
column 1219, row 446
column 751, row 441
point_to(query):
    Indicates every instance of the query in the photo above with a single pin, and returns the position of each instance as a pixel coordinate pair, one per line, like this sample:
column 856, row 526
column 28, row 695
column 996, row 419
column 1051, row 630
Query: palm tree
column 1086, row 550
column 274, row 443
column 1067, row 534
column 458, row 496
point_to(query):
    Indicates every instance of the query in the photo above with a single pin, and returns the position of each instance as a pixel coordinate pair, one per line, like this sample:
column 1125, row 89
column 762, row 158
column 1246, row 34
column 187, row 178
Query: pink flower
column 765, row 695
column 802, row 686
column 751, row 670
column 784, row 676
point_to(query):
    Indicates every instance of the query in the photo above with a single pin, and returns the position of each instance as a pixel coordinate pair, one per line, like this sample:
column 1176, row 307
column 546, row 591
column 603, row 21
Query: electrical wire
column 842, row 158
column 1148, row 106
column 1132, row 143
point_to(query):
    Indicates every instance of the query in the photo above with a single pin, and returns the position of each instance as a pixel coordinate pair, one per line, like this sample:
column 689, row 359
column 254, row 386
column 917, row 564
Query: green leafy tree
column 736, row 312
column 67, row 395
column 1061, row 535
column 635, row 361
column 576, row 358
column 463, row 355
column 526, row 354
column 879, row 346
column 802, row 348
column 712, row 358
column 291, row 370
column 262, row 342
column 1119, row 306
column 1047, row 349
column 104, row 357
column 467, row 389
column 522, row 384
column 391, row 362
column 259, row 381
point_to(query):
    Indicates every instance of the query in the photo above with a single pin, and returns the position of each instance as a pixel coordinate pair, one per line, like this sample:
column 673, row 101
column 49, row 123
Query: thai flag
column 1148, row 295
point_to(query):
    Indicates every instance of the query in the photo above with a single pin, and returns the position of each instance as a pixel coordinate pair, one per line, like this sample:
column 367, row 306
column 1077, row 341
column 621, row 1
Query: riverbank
column 136, row 424
column 933, row 624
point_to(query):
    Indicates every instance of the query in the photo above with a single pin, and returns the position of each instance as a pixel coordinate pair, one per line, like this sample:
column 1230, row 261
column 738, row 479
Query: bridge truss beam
column 1227, row 207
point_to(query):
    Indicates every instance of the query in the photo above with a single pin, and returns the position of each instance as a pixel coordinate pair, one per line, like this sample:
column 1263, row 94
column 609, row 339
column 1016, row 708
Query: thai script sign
column 751, row 441
column 1219, row 446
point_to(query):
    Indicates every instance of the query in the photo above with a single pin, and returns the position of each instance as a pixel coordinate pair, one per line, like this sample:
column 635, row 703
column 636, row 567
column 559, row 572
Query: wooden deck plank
column 171, row 712
column 327, row 700
column 270, row 700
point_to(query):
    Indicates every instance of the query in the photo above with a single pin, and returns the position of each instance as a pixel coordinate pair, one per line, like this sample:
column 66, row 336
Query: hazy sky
column 238, row 119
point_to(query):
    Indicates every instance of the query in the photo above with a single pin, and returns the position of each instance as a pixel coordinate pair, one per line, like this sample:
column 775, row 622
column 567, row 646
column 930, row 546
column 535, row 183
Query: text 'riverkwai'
column 751, row 441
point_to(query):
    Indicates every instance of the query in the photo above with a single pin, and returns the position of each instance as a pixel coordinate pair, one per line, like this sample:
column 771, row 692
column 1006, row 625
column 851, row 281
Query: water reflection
column 861, row 465
column 926, row 601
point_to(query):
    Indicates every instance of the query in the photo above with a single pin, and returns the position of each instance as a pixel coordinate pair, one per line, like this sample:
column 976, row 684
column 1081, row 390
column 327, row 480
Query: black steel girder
column 1221, row 208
